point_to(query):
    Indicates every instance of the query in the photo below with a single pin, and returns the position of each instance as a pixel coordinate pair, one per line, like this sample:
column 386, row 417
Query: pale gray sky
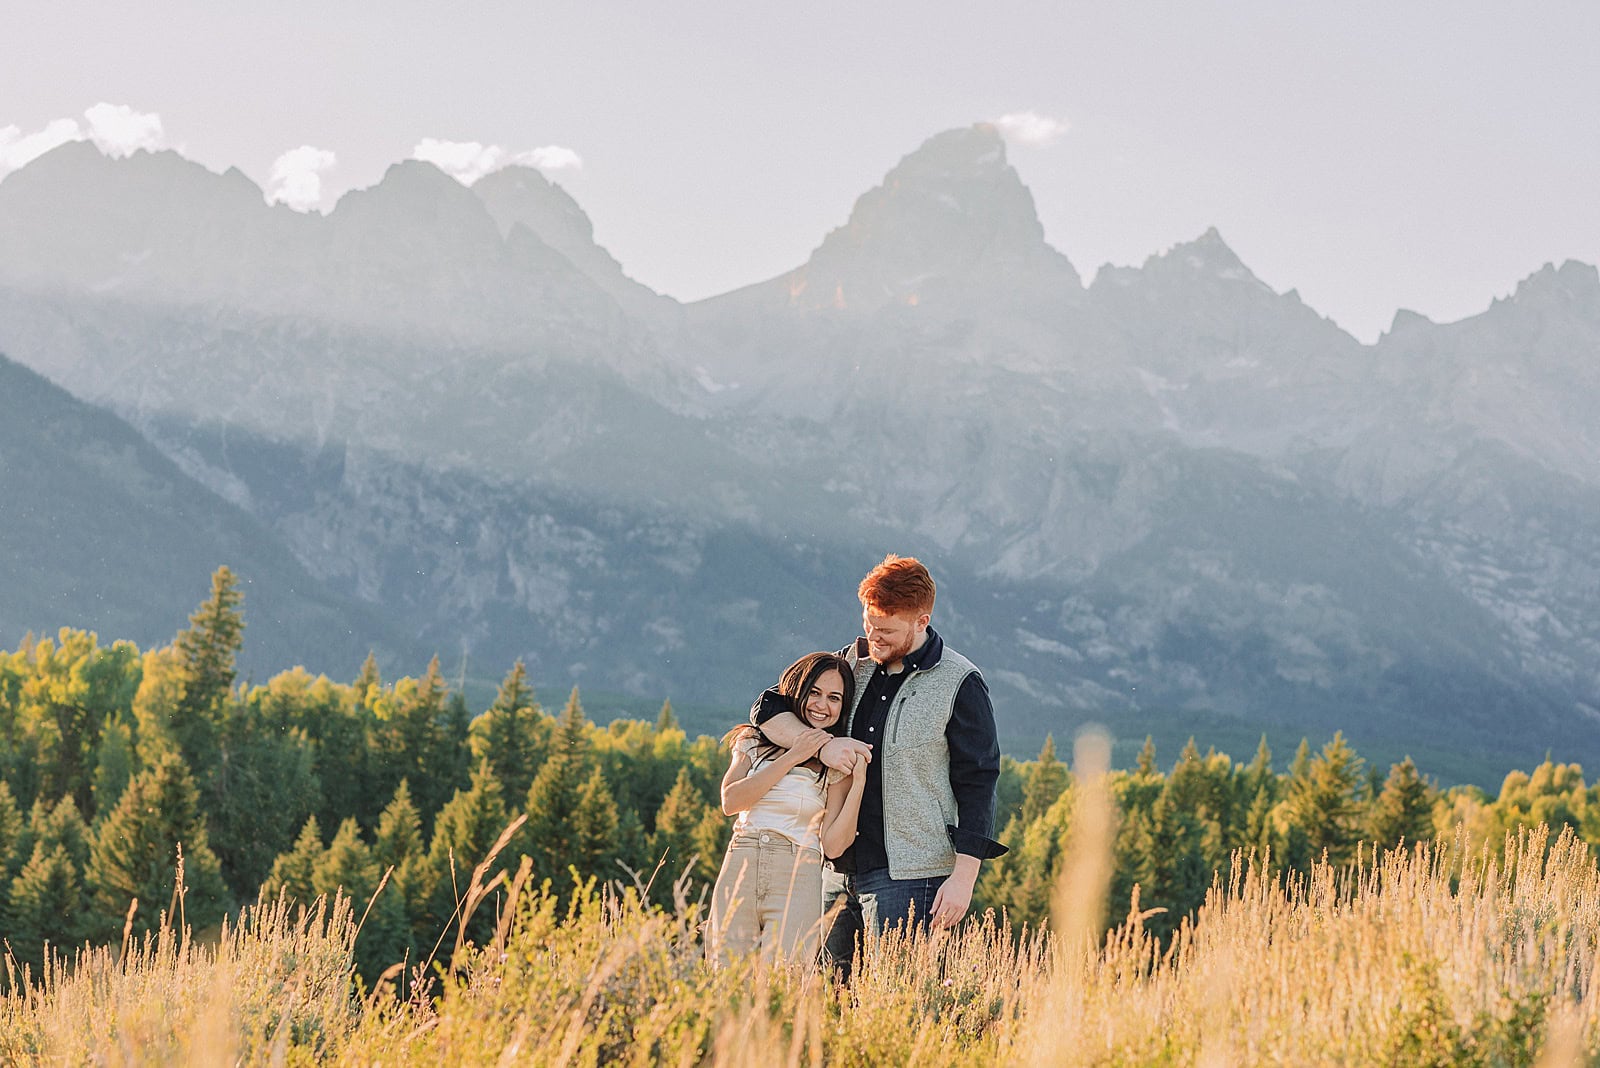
column 1373, row 155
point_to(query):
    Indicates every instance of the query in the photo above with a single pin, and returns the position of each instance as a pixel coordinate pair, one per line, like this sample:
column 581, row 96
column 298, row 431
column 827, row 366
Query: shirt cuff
column 770, row 703
column 972, row 844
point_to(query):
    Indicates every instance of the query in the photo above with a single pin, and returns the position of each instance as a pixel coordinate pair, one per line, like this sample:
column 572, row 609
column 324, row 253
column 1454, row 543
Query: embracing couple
column 881, row 758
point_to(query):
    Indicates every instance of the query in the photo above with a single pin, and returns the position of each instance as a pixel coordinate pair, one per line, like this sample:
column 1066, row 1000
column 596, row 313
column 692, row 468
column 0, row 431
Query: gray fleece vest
column 918, row 802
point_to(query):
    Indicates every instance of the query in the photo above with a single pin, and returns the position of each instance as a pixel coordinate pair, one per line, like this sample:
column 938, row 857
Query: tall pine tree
column 134, row 852
column 1403, row 809
column 398, row 845
column 505, row 734
column 465, row 832
column 554, row 797
column 348, row 867
column 206, row 652
column 595, row 826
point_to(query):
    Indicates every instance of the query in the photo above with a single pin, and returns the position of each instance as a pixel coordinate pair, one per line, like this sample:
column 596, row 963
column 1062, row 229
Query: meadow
column 1450, row 953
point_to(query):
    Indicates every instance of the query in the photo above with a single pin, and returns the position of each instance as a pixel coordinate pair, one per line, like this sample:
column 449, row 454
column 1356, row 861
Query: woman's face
column 825, row 703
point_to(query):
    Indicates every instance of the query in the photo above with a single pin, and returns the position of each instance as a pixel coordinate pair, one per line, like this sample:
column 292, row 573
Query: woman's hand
column 809, row 744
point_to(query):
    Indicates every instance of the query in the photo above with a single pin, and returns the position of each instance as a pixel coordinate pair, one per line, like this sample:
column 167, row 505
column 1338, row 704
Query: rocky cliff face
column 1174, row 500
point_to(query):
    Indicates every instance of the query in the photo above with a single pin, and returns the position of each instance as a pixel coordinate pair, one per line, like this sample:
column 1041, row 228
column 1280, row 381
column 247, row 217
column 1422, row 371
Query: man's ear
column 924, row 619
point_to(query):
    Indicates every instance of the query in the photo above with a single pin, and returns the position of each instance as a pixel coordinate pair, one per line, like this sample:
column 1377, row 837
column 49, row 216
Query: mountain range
column 1173, row 500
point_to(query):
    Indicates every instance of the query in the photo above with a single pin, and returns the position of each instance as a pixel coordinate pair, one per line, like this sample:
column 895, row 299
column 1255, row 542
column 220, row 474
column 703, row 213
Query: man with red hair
column 922, row 730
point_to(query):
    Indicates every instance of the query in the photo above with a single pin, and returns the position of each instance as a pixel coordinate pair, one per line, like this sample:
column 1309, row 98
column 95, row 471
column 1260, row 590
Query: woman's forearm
column 840, row 832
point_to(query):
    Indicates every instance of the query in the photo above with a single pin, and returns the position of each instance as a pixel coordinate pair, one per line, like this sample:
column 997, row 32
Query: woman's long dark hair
column 794, row 685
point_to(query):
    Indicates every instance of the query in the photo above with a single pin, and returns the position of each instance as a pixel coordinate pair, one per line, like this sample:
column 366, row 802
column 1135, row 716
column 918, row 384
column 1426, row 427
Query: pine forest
column 401, row 861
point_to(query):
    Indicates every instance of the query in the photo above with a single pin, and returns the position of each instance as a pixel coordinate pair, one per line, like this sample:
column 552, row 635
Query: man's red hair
column 900, row 584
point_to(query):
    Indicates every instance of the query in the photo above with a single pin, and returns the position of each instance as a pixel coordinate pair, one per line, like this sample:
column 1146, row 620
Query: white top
column 794, row 807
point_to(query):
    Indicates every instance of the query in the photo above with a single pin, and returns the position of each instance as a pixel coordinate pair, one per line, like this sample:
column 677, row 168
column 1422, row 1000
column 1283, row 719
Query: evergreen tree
column 114, row 763
column 417, row 741
column 206, row 651
column 1031, row 869
column 633, row 844
column 640, row 764
column 261, row 789
column 1260, row 832
column 1046, row 782
column 453, row 760
column 1321, row 800
column 463, row 835
column 1301, row 764
column 161, row 689
column 368, row 682
column 1186, row 786
column 348, row 867
column 554, row 797
column 594, row 826
column 572, row 729
column 47, row 900
column 1008, row 791
column 46, row 903
column 398, row 845
column 1179, row 870
column 12, row 826
column 674, row 845
column 61, row 826
column 1403, row 810
column 666, row 719
column 1258, row 775
column 134, row 852
column 294, row 872
column 11, row 835
column 711, row 842
column 505, row 733
column 1146, row 764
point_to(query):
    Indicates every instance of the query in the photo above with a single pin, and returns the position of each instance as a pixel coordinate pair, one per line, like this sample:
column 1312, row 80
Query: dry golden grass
column 1434, row 956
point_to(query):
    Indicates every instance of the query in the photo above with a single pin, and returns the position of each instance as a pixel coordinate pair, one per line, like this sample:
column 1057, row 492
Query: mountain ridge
column 1172, row 495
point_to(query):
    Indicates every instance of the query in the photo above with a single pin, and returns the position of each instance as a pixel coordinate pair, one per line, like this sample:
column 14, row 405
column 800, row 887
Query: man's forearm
column 783, row 729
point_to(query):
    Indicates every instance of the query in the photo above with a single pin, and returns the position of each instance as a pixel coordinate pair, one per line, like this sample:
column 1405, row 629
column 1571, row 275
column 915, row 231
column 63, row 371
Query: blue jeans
column 887, row 902
column 841, row 911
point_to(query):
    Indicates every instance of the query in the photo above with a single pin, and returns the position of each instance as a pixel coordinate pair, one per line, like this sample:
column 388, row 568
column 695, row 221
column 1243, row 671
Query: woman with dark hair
column 792, row 811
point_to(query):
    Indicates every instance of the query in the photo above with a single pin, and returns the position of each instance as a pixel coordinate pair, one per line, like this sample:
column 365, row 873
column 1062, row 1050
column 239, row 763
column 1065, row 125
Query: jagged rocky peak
column 1408, row 322
column 410, row 183
column 152, row 219
column 1573, row 287
column 953, row 211
column 1206, row 260
column 77, row 177
column 1207, row 254
column 522, row 195
column 417, row 202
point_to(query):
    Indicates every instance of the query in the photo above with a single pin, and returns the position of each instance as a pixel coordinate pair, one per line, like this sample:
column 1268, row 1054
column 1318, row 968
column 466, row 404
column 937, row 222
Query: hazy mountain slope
column 99, row 530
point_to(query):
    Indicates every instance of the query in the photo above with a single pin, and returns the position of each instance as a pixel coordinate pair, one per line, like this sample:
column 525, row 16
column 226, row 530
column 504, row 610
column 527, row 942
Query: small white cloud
column 118, row 130
column 467, row 161
column 550, row 158
column 1030, row 128
column 296, row 178
column 17, row 149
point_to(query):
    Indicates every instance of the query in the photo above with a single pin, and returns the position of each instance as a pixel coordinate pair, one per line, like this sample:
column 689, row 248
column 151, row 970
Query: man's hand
column 841, row 754
column 955, row 893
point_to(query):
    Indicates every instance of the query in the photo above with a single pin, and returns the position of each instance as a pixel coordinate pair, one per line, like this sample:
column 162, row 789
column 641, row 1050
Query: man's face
column 891, row 635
